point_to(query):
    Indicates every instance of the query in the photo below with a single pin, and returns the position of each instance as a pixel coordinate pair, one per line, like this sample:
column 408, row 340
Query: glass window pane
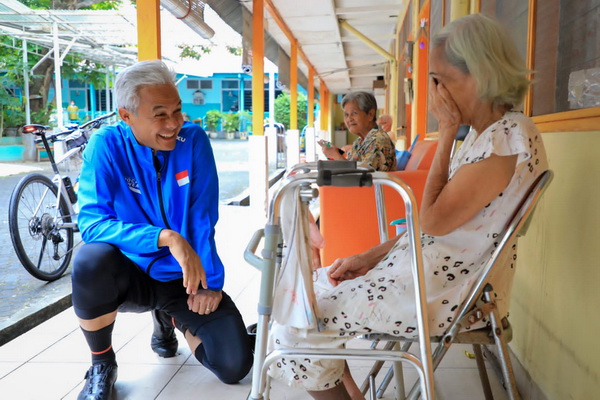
column 435, row 25
column 567, row 60
column 206, row 84
column 230, row 84
column 513, row 14
column 192, row 84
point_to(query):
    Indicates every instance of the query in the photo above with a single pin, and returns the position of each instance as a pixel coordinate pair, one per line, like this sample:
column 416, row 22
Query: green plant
column 231, row 122
column 212, row 119
column 245, row 121
column 42, row 116
column 13, row 117
column 282, row 110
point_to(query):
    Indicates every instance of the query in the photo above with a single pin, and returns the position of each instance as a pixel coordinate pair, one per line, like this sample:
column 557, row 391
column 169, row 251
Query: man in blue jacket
column 148, row 199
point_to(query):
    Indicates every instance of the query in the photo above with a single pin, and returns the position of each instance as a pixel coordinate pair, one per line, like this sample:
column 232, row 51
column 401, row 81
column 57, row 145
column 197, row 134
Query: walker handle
column 250, row 252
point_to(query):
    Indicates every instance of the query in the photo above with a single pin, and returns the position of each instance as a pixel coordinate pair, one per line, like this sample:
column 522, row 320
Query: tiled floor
column 49, row 361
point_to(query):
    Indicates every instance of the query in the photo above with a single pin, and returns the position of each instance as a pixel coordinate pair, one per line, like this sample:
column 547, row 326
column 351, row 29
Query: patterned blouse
column 377, row 150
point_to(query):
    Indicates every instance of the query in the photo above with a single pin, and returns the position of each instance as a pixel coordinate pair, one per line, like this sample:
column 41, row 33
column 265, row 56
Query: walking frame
column 345, row 174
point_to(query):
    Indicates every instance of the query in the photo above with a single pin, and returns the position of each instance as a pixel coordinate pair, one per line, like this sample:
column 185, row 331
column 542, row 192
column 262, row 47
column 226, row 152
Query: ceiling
column 340, row 58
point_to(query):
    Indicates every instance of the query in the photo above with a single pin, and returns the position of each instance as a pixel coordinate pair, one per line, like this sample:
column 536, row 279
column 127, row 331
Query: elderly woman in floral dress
column 373, row 145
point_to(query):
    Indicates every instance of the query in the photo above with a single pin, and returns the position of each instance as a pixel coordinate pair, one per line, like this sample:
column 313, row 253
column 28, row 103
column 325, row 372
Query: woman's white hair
column 144, row 73
column 365, row 101
column 481, row 47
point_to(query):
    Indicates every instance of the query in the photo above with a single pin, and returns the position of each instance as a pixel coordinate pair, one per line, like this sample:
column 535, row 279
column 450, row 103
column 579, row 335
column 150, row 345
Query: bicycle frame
column 58, row 178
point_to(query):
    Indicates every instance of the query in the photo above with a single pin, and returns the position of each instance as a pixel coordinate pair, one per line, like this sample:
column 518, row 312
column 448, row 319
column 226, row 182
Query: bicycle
column 42, row 214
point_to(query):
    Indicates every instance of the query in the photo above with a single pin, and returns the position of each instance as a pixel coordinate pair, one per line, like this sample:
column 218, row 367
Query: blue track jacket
column 127, row 196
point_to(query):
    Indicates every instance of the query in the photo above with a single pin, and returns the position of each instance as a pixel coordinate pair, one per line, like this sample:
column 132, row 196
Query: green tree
column 282, row 110
column 74, row 66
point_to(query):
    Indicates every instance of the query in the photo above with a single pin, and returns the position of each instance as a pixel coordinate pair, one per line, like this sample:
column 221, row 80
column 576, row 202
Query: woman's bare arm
column 447, row 204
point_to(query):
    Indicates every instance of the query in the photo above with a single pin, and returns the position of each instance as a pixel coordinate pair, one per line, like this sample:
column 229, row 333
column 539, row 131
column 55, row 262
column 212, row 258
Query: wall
column 555, row 305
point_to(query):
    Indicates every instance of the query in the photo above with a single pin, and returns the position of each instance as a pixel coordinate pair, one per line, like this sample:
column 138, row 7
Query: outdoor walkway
column 49, row 361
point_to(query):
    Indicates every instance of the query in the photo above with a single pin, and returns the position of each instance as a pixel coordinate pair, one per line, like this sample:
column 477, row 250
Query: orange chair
column 348, row 216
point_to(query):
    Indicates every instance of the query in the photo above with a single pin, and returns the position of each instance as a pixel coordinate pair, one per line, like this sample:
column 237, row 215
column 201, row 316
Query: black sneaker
column 99, row 382
column 165, row 347
column 164, row 341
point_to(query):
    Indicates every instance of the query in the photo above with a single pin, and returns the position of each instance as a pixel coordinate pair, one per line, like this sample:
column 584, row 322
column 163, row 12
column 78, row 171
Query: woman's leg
column 350, row 384
column 338, row 392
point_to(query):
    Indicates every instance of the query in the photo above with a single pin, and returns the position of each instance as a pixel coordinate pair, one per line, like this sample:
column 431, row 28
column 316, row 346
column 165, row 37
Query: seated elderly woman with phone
column 477, row 78
column 373, row 145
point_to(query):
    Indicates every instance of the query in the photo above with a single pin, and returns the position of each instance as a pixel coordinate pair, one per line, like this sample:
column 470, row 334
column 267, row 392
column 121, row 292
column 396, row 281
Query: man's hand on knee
column 205, row 301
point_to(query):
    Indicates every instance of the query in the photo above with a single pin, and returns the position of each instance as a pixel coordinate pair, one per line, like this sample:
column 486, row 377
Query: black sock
column 100, row 343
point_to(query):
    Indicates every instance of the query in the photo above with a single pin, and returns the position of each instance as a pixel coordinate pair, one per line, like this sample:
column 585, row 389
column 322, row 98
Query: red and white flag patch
column 183, row 178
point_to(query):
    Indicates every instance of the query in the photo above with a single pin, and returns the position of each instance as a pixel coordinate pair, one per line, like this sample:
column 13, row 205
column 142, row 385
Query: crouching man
column 148, row 197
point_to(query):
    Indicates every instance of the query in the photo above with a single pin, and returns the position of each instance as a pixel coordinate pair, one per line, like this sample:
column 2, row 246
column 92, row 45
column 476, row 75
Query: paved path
column 25, row 301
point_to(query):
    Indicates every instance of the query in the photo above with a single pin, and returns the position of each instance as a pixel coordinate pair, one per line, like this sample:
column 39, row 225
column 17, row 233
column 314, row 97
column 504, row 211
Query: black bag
column 75, row 139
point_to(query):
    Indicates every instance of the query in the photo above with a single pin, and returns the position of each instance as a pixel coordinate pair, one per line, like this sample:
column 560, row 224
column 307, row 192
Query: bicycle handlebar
column 40, row 130
column 94, row 121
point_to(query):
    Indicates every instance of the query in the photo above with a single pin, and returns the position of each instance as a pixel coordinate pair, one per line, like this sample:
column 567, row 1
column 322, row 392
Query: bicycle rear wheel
column 43, row 245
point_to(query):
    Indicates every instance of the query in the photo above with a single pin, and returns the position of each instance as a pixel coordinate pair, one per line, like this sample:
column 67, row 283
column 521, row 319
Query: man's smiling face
column 158, row 119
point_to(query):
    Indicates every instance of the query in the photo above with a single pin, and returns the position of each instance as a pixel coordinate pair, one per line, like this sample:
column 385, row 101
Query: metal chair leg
column 483, row 376
column 372, row 394
column 505, row 363
column 374, row 370
column 385, row 383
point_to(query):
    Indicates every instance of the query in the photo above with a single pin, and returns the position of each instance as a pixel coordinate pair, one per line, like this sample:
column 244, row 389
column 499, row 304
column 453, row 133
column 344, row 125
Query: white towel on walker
column 294, row 302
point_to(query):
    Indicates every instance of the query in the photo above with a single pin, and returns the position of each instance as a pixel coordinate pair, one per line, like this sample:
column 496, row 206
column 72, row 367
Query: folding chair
column 480, row 303
column 343, row 173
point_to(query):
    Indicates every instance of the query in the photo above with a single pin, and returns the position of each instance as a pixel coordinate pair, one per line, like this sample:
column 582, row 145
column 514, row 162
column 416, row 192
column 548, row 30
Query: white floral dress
column 383, row 299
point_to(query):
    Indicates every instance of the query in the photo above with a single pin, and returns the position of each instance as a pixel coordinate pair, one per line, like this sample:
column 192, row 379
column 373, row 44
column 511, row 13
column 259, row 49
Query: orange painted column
column 258, row 67
column 294, row 86
column 324, row 103
column 310, row 116
column 148, row 22
column 421, row 78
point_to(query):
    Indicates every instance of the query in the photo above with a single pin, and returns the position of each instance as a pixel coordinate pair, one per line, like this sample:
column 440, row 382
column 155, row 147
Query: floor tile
column 137, row 381
column 34, row 381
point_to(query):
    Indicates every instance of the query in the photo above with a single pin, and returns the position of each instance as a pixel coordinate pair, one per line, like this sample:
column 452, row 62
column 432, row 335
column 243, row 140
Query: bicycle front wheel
column 43, row 245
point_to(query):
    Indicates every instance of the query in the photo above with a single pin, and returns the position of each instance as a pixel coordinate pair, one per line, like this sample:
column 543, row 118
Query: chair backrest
column 422, row 155
column 516, row 227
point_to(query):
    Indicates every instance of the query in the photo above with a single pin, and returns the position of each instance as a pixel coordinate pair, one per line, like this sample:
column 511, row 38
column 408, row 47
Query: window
column 513, row 14
column 194, row 84
column 230, row 95
column 567, row 59
column 230, row 84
